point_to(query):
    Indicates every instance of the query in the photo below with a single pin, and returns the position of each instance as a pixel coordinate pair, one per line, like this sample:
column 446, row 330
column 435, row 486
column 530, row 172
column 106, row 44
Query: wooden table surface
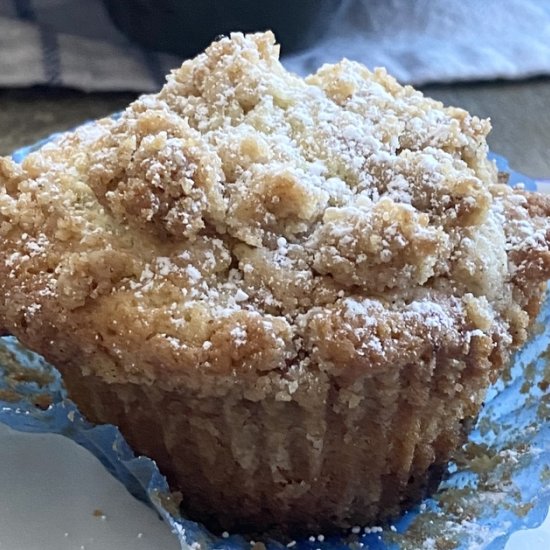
column 520, row 113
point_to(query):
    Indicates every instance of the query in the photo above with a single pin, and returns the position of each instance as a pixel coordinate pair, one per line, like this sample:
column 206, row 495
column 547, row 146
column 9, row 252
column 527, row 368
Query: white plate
column 50, row 488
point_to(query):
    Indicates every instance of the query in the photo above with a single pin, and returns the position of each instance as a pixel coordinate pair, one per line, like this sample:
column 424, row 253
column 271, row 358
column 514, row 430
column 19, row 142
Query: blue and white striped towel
column 73, row 43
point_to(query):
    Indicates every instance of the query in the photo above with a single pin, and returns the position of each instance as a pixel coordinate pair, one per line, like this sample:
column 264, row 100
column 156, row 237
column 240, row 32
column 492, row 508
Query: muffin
column 292, row 294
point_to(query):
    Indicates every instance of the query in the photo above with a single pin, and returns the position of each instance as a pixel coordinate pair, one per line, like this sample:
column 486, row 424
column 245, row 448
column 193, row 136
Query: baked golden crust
column 247, row 233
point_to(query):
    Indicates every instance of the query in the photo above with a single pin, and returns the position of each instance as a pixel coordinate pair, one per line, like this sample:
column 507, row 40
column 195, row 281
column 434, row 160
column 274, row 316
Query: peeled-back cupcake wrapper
column 498, row 484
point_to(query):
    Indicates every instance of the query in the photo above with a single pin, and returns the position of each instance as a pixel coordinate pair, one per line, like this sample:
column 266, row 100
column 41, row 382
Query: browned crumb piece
column 334, row 256
column 43, row 400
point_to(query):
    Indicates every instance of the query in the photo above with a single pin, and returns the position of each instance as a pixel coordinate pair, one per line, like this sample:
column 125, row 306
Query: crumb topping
column 245, row 220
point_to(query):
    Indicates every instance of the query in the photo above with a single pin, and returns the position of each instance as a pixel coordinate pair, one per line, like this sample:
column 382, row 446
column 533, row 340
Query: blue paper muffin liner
column 498, row 484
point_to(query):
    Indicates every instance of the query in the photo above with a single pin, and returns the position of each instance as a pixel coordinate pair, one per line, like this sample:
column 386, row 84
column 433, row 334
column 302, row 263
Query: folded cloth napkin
column 75, row 44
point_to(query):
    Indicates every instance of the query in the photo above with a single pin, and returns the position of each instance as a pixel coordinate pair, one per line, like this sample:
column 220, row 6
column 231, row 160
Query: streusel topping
column 244, row 219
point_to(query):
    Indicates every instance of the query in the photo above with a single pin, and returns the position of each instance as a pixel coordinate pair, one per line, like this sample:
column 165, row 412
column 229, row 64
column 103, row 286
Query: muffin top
column 248, row 224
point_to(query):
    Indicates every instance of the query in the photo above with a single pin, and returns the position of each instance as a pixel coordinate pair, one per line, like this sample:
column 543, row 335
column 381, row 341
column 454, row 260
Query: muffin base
column 347, row 456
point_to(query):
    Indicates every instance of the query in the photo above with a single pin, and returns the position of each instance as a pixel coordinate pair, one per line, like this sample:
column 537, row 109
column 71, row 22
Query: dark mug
column 186, row 27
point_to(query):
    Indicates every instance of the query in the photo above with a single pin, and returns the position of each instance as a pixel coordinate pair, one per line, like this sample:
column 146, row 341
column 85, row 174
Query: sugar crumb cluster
column 242, row 195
